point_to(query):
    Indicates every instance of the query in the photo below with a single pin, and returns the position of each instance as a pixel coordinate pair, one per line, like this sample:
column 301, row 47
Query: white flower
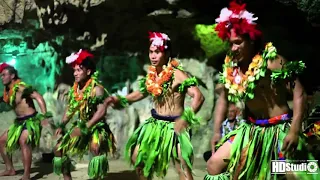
column 159, row 41
column 225, row 74
column 256, row 71
column 237, row 79
column 232, row 91
column 251, row 78
column 227, row 85
column 248, row 16
column 225, row 14
column 73, row 57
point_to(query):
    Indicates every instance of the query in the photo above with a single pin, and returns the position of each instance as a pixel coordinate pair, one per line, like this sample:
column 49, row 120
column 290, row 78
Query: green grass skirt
column 157, row 145
column 79, row 146
column 32, row 125
column 254, row 147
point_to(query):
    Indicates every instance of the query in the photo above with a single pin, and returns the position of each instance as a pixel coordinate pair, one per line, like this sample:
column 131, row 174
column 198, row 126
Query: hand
column 215, row 139
column 180, row 125
column 45, row 122
column 290, row 142
column 76, row 132
column 58, row 132
column 111, row 101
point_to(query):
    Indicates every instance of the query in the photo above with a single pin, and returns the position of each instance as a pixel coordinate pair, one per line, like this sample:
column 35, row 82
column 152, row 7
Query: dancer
column 90, row 131
column 165, row 133
column 26, row 130
column 263, row 80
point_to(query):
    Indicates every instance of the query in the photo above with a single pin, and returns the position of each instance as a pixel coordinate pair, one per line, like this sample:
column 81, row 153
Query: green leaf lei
column 88, row 104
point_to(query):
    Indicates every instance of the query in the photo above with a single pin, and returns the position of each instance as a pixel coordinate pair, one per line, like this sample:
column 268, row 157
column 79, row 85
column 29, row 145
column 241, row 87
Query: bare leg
column 7, row 160
column 26, row 154
column 216, row 164
column 67, row 175
column 185, row 173
column 138, row 169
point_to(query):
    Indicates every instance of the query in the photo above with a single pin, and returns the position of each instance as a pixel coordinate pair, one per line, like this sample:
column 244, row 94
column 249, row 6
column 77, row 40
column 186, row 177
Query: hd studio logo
column 285, row 167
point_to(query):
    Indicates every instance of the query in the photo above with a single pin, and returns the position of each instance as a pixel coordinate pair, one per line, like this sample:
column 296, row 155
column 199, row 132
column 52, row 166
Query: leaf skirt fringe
column 254, row 147
column 78, row 146
column 32, row 124
column 157, row 144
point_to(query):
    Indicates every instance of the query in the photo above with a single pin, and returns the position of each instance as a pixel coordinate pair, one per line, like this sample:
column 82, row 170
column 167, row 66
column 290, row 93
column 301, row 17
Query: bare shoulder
column 21, row 88
column 180, row 75
column 276, row 63
column 99, row 90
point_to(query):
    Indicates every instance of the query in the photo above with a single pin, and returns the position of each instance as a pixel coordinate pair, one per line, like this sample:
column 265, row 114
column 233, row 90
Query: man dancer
column 26, row 131
column 90, row 131
column 263, row 80
column 165, row 133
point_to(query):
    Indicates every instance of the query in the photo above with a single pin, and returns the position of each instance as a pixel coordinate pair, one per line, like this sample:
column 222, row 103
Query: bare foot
column 24, row 178
column 8, row 173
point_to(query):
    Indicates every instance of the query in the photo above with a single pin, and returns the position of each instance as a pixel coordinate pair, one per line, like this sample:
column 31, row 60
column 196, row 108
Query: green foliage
column 115, row 69
column 210, row 42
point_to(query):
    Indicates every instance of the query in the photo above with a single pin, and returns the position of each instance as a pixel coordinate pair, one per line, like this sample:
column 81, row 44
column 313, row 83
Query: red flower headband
column 236, row 21
column 3, row 66
column 158, row 39
column 77, row 58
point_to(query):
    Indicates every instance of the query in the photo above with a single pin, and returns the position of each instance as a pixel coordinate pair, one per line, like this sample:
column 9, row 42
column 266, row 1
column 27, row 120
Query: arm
column 220, row 108
column 193, row 91
column 299, row 94
column 101, row 109
column 135, row 96
column 35, row 95
column 299, row 102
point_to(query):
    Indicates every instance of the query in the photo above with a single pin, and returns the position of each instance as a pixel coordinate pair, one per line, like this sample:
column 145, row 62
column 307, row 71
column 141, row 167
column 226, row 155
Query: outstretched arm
column 101, row 109
column 130, row 98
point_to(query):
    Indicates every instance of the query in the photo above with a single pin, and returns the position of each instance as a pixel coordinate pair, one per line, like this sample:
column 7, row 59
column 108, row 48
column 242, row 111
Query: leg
column 98, row 166
column 7, row 160
column 26, row 154
column 216, row 164
column 66, row 172
column 185, row 173
column 139, row 170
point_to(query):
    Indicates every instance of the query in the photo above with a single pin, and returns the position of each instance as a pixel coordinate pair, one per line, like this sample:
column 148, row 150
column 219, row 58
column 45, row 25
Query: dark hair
column 89, row 63
column 12, row 70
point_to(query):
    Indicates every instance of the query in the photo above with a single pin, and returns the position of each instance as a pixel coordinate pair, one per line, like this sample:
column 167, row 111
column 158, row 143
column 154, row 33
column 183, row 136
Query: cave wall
column 116, row 32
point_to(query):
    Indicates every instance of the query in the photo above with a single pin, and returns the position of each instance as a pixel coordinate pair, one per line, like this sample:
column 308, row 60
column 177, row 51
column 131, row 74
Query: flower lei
column 159, row 87
column 10, row 97
column 242, row 86
column 78, row 101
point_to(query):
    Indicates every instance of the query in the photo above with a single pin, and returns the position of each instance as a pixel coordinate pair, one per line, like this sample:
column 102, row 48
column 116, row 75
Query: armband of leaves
column 142, row 85
column 190, row 117
column 289, row 71
column 187, row 83
column 123, row 101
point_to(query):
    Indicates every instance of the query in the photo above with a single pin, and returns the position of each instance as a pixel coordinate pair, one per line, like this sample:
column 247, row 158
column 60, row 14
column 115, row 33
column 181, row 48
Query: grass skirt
column 78, row 146
column 30, row 123
column 254, row 147
column 157, row 143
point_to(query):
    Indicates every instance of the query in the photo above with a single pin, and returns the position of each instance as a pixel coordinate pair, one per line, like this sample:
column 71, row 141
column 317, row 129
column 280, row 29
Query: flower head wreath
column 159, row 40
column 77, row 58
column 236, row 20
column 3, row 66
